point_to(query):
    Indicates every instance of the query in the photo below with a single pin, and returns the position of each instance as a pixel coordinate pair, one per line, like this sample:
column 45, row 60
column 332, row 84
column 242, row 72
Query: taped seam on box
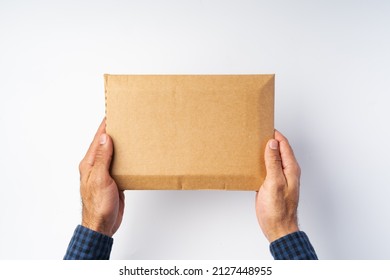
column 189, row 182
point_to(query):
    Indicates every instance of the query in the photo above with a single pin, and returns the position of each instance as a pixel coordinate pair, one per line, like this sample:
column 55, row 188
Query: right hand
column 277, row 199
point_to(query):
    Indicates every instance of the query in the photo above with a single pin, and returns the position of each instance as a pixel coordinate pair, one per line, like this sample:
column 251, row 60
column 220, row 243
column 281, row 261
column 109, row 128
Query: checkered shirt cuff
column 87, row 244
column 294, row 246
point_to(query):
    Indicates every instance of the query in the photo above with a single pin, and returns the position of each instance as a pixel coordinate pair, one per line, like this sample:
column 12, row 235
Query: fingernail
column 103, row 139
column 273, row 144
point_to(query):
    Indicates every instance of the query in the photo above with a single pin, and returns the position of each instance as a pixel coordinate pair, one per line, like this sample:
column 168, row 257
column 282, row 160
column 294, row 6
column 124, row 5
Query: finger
column 289, row 163
column 103, row 153
column 122, row 202
column 273, row 162
column 121, row 195
column 286, row 152
column 90, row 155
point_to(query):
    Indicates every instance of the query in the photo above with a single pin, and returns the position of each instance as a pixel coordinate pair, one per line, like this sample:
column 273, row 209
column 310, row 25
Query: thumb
column 273, row 161
column 104, row 151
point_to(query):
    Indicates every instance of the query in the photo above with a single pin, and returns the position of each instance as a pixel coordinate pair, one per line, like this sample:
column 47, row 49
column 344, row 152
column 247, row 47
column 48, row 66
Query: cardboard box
column 184, row 132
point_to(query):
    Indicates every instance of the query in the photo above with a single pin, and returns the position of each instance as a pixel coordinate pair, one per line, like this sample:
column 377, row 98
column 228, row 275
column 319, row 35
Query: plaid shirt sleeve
column 87, row 244
column 294, row 246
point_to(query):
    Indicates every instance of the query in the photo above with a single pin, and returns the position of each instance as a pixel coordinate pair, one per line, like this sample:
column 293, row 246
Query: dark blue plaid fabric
column 87, row 244
column 294, row 246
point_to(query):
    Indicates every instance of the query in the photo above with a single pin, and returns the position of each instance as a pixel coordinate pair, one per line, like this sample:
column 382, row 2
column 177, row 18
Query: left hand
column 103, row 203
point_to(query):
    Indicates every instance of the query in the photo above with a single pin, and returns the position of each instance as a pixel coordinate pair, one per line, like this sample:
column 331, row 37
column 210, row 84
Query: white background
column 332, row 66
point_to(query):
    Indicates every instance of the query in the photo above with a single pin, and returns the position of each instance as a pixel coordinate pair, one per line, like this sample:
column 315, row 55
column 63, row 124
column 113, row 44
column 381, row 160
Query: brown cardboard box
column 183, row 132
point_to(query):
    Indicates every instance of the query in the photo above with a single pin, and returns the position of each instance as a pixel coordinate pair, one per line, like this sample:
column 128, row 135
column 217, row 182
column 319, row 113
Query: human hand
column 277, row 199
column 103, row 203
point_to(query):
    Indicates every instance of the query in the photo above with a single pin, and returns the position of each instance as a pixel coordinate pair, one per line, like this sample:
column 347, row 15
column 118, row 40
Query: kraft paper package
column 187, row 132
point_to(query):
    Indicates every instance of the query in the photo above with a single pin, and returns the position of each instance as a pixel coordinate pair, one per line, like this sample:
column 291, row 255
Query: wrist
column 281, row 232
column 96, row 226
